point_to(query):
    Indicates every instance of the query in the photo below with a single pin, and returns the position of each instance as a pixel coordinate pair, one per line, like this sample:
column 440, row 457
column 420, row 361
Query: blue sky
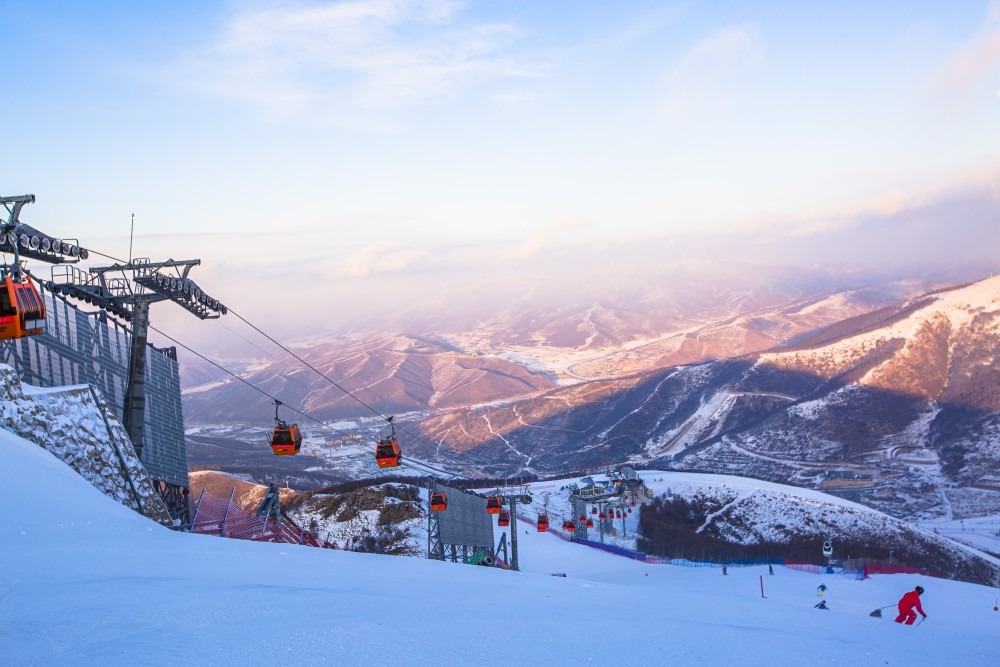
column 372, row 136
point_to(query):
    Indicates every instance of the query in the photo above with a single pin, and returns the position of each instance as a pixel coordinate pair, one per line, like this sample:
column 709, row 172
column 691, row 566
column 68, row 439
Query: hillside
column 395, row 373
column 719, row 517
column 81, row 572
column 901, row 406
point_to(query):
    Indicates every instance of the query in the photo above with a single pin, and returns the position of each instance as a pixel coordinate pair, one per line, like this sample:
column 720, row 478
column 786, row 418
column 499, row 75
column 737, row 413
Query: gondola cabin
column 569, row 526
column 503, row 519
column 543, row 523
column 583, row 518
column 618, row 514
column 286, row 439
column 387, row 453
column 493, row 505
column 602, row 516
column 439, row 502
column 22, row 310
column 593, row 510
column 590, row 523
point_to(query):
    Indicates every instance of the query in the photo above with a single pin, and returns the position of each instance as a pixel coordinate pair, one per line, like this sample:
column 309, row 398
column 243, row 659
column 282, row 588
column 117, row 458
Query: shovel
column 878, row 612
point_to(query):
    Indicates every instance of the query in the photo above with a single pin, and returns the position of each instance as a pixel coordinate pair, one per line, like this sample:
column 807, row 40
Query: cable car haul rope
column 22, row 313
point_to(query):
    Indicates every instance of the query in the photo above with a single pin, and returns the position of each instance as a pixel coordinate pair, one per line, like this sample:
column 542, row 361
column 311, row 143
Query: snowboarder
column 821, row 605
column 906, row 605
column 821, row 589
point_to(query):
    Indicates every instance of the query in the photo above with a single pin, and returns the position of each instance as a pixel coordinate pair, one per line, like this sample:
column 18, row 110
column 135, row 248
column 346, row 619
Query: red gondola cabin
column 543, row 523
column 286, row 439
column 22, row 310
column 387, row 452
column 503, row 519
column 493, row 505
column 569, row 526
column 439, row 502
column 590, row 523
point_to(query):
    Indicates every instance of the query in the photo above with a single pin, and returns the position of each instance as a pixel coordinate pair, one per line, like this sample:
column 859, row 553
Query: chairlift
column 439, row 501
column 22, row 310
column 503, row 519
column 387, row 453
column 543, row 523
column 286, row 440
column 493, row 505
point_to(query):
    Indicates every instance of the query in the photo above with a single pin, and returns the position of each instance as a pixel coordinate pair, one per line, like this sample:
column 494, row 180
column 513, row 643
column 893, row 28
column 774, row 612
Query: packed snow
column 87, row 581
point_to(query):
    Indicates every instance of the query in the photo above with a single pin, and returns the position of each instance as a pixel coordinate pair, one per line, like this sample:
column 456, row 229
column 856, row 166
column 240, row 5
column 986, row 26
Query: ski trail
column 653, row 393
column 710, row 517
column 507, row 442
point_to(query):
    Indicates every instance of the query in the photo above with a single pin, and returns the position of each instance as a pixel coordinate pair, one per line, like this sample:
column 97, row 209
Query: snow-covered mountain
column 898, row 408
column 394, row 373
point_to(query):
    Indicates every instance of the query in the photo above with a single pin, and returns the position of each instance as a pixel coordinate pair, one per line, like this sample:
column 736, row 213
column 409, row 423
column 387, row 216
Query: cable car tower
column 127, row 290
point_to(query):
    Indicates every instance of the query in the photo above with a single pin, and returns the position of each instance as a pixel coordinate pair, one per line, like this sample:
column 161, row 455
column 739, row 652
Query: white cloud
column 378, row 258
column 975, row 60
column 336, row 58
column 709, row 75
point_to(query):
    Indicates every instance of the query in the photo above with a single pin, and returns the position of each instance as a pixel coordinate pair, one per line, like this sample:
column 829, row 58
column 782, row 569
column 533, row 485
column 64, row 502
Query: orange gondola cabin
column 493, row 505
column 387, row 452
column 590, row 523
column 22, row 310
column 503, row 519
column 569, row 526
column 439, row 501
column 543, row 523
column 286, row 440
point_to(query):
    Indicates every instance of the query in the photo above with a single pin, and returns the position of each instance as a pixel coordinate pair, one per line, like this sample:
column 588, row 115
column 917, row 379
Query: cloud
column 379, row 258
column 709, row 76
column 335, row 59
column 974, row 61
column 545, row 240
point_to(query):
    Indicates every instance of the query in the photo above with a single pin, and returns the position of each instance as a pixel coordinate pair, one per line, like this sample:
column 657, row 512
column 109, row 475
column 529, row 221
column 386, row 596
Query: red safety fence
column 876, row 568
column 803, row 567
column 227, row 519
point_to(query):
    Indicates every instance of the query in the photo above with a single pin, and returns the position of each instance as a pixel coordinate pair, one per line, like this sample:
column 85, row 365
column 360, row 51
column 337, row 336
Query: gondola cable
column 389, row 420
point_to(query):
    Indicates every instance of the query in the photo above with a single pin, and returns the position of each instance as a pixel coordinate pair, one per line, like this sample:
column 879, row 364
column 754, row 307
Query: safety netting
column 225, row 518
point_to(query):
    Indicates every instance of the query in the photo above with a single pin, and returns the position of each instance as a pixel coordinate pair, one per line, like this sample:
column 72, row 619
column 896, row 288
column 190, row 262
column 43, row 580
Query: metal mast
column 135, row 285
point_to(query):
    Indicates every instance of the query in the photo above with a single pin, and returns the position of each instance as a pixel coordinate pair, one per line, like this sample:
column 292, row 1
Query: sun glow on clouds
column 327, row 60
column 975, row 60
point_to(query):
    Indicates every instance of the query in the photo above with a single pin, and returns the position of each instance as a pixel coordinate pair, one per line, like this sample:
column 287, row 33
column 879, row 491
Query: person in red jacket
column 906, row 605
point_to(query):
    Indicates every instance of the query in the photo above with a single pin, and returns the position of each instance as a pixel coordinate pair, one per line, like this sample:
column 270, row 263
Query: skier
column 821, row 605
column 821, row 589
column 906, row 605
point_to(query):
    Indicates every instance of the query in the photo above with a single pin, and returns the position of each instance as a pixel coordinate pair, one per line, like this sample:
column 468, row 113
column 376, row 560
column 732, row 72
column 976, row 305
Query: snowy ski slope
column 85, row 581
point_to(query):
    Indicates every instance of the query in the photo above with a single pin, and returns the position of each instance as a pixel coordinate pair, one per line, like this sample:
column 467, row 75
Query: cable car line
column 290, row 353
column 249, row 384
column 327, row 378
